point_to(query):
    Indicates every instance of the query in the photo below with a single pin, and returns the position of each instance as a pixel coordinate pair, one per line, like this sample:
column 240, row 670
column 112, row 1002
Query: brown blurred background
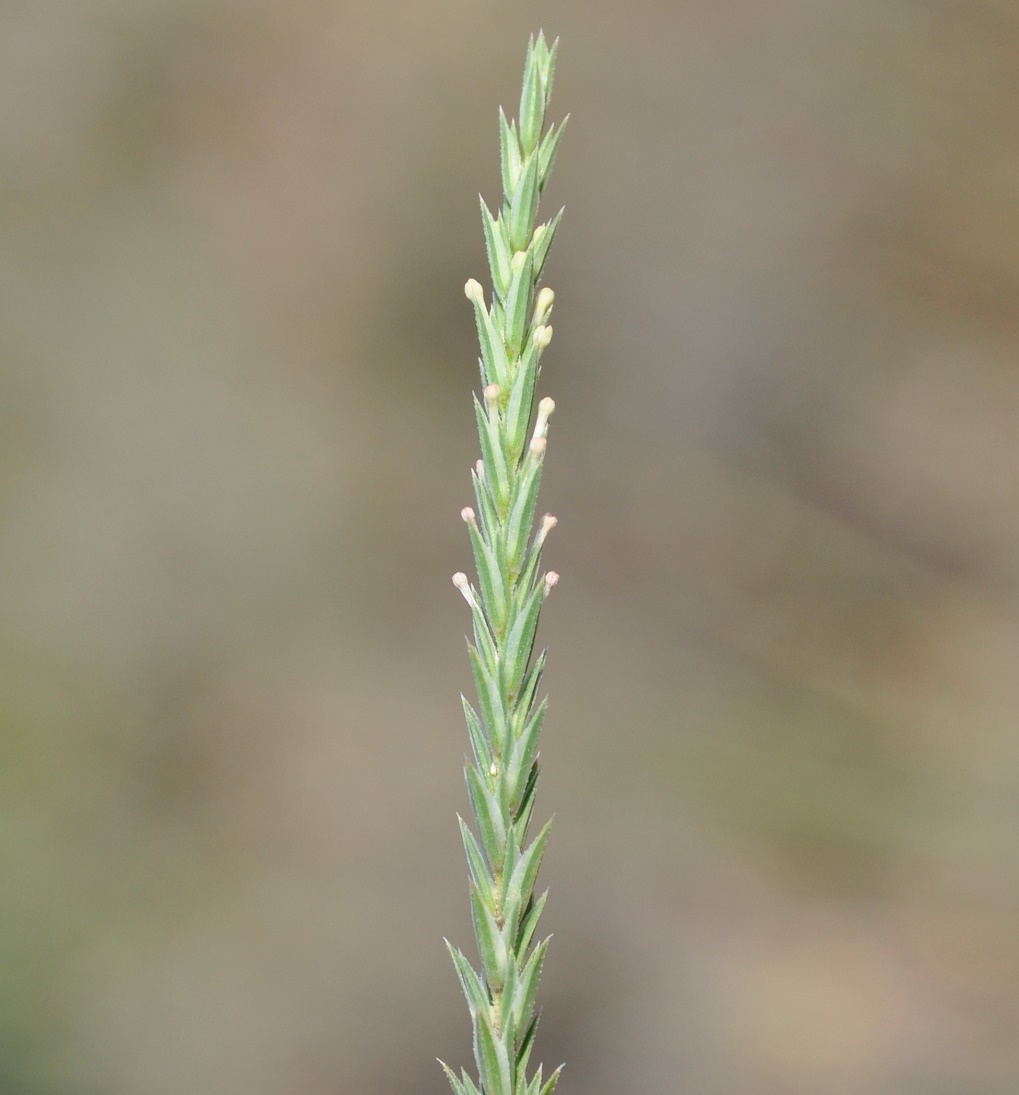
column 235, row 426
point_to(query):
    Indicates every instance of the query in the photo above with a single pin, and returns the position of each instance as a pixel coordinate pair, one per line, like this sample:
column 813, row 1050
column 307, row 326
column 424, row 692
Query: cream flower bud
column 545, row 408
column 468, row 515
column 542, row 336
column 473, row 290
column 551, row 580
column 543, row 305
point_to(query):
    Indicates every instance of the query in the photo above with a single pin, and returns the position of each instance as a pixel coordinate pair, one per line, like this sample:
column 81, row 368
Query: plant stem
column 513, row 331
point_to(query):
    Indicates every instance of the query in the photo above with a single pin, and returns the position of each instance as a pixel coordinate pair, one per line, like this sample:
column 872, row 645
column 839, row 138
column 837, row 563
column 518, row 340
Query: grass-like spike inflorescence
column 513, row 332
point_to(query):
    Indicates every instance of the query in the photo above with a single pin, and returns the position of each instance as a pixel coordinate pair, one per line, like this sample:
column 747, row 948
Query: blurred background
column 236, row 429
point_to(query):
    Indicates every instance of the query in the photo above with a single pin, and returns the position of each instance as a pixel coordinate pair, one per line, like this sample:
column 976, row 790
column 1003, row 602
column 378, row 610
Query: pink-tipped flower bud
column 468, row 515
column 461, row 583
column 537, row 447
column 551, row 580
column 548, row 522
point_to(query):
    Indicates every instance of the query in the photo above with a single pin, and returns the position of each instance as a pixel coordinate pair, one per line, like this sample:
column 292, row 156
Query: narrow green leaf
column 469, row 1084
column 532, row 105
column 497, row 248
column 491, row 945
column 477, row 865
column 474, row 991
column 547, row 152
column 479, row 736
column 509, row 148
column 491, row 827
column 493, row 1062
column 524, row 206
column 519, row 301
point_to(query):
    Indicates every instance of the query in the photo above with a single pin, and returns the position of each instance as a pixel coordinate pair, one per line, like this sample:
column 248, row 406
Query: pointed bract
column 524, row 206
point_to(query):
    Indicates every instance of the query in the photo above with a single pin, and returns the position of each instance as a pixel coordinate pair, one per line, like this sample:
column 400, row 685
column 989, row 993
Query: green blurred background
column 235, row 426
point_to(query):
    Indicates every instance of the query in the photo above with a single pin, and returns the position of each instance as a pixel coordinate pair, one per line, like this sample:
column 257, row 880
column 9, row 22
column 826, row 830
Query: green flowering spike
column 506, row 601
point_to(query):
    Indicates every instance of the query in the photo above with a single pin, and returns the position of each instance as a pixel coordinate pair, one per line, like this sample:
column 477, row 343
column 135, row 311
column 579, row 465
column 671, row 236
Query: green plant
column 501, row 782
